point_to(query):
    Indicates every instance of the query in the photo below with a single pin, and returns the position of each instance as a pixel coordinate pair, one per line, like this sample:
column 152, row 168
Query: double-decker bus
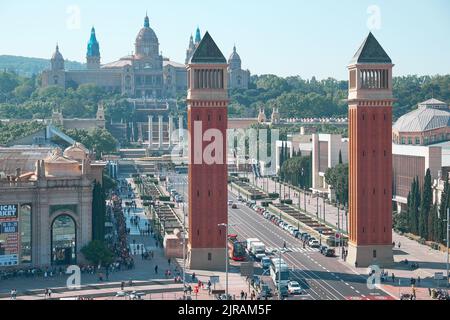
column 236, row 249
column 279, row 270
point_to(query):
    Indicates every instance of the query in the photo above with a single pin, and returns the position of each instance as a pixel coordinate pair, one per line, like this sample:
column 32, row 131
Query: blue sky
column 283, row 37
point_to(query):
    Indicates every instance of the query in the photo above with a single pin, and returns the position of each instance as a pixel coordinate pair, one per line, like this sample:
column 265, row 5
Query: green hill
column 25, row 66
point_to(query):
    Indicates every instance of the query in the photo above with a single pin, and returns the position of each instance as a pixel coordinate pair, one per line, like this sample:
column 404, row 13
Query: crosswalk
column 293, row 249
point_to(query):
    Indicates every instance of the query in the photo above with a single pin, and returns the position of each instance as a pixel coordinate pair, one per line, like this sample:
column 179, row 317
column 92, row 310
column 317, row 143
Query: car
column 323, row 249
column 281, row 223
column 311, row 239
column 306, row 237
column 290, row 228
column 230, row 202
column 294, row 287
column 292, row 231
column 314, row 244
column 234, row 206
column 329, row 252
column 265, row 262
column 296, row 234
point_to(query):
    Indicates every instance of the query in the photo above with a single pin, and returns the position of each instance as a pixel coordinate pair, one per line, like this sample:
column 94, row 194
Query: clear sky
column 283, row 37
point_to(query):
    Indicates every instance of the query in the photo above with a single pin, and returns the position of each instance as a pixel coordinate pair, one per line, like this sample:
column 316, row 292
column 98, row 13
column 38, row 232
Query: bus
column 236, row 249
column 279, row 269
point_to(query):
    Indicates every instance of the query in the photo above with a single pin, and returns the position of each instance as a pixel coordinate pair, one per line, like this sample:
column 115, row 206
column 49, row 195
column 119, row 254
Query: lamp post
column 448, row 236
column 226, row 254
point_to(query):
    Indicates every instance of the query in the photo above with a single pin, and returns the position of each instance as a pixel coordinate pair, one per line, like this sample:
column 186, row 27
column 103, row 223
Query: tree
column 297, row 171
column 97, row 253
column 98, row 212
column 337, row 177
column 426, row 203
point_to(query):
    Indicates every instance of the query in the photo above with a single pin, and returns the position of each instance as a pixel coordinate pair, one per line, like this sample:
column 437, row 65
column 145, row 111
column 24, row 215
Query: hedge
column 164, row 198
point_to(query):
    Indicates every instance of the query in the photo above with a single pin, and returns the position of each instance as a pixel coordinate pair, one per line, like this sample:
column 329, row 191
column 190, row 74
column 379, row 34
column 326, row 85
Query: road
column 323, row 278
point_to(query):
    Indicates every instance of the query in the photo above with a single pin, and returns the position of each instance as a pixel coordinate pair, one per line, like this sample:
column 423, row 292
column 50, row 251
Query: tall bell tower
column 370, row 162
column 207, row 101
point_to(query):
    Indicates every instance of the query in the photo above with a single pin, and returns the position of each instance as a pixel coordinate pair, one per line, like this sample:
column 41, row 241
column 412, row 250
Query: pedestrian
column 356, row 264
column 156, row 269
column 393, row 277
column 122, row 285
column 13, row 294
column 193, row 276
column 242, row 294
column 399, row 245
column 168, row 260
column 245, row 296
column 49, row 293
column 142, row 255
column 418, row 280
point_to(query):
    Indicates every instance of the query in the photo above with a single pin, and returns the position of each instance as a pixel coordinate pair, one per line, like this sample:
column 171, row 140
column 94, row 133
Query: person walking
column 168, row 261
column 399, row 244
column 156, row 269
column 122, row 285
column 393, row 277
column 13, row 294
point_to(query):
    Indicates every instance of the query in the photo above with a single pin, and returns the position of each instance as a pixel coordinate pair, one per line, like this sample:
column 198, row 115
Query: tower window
column 220, row 118
column 209, row 117
column 374, row 253
column 209, row 193
column 364, row 230
column 198, row 193
column 198, row 232
column 209, row 256
column 198, row 117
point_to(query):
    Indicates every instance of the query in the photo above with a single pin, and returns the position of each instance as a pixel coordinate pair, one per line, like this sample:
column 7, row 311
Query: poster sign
column 8, row 211
column 9, row 235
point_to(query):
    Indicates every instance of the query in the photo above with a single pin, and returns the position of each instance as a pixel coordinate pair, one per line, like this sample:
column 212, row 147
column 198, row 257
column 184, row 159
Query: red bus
column 236, row 249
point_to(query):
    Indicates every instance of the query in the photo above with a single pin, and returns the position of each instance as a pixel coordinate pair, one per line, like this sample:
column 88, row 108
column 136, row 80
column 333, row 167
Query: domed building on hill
column 143, row 74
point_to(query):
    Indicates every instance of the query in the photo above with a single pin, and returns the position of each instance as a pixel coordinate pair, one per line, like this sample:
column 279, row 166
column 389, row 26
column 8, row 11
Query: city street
column 322, row 277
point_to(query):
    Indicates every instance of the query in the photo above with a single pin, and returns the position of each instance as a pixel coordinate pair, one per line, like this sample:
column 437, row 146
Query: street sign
column 214, row 279
column 247, row 269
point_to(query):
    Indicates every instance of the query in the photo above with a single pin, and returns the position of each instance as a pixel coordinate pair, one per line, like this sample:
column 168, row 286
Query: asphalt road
column 323, row 278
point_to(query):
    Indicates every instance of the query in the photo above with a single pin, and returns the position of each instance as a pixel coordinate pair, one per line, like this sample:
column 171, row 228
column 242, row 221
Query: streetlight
column 448, row 236
column 226, row 254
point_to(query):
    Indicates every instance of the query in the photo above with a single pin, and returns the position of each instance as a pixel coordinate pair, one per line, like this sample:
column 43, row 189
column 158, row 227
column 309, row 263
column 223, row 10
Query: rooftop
column 370, row 51
column 207, row 52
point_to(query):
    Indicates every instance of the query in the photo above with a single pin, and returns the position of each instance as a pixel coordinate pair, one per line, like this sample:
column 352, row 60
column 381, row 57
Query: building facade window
column 403, row 140
column 417, row 140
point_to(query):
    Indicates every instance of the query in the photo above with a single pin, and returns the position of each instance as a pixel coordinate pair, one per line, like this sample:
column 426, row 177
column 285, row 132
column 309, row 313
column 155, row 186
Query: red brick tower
column 370, row 161
column 207, row 123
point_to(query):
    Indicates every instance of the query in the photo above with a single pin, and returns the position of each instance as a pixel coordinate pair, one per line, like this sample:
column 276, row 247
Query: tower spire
column 146, row 21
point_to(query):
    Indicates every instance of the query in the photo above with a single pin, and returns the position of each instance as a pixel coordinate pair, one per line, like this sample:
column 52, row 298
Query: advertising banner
column 9, row 235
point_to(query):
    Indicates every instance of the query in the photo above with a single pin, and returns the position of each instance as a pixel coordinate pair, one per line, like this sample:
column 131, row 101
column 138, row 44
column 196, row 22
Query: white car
column 314, row 244
column 294, row 287
column 230, row 202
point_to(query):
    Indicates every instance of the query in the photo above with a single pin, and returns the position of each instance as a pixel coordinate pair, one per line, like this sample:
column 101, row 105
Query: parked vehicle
column 230, row 202
column 314, row 244
column 234, row 206
column 322, row 249
column 330, row 252
column 293, row 231
column 311, row 239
